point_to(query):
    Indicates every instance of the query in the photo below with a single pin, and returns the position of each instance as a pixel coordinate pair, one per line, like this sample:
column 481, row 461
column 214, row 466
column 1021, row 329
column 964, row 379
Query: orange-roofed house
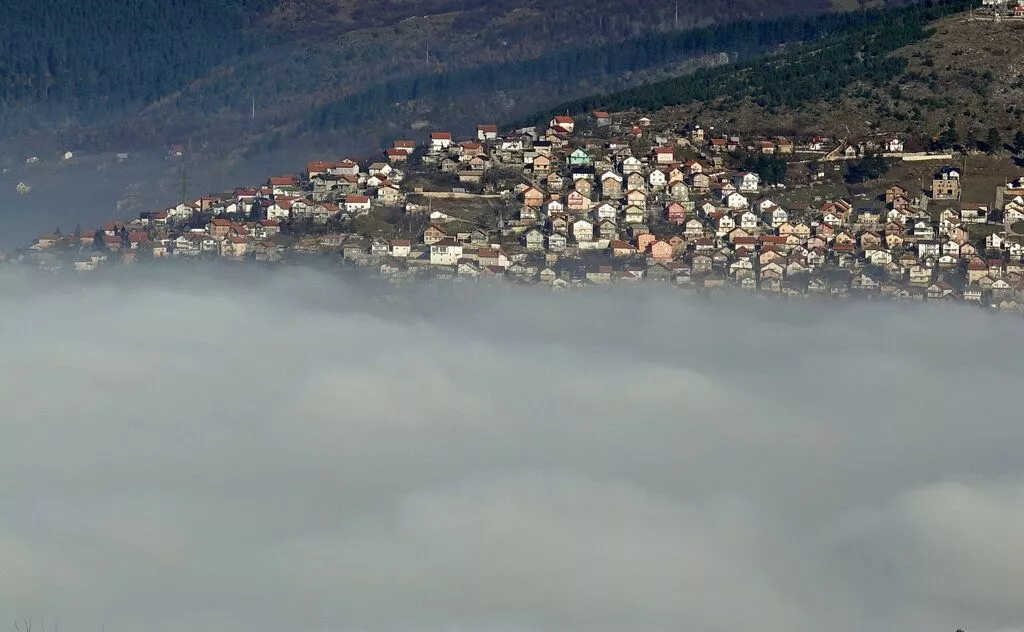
column 661, row 251
column 644, row 241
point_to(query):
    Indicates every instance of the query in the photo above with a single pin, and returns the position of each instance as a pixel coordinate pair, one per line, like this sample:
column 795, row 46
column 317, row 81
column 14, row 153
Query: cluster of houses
column 242, row 224
column 599, row 202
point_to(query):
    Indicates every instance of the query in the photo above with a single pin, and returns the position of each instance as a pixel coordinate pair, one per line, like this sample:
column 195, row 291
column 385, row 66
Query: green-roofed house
column 580, row 158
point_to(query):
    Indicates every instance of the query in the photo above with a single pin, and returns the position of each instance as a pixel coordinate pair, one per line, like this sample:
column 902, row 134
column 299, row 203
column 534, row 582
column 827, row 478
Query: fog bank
column 288, row 453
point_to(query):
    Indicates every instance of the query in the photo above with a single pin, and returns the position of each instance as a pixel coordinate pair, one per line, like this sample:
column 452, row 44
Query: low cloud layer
column 236, row 454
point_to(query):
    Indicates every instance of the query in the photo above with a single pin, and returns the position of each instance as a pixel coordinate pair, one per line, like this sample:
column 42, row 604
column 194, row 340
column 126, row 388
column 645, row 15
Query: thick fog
column 291, row 453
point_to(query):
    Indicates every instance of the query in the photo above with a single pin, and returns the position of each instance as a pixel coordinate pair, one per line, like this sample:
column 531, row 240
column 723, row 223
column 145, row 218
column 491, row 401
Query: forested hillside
column 126, row 73
column 88, row 59
column 530, row 78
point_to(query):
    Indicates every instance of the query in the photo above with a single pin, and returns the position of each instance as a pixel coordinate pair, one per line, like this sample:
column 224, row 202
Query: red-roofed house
column 487, row 131
column 400, row 247
column 675, row 213
column 316, row 167
column 565, row 122
column 282, row 185
column 270, row 227
column 218, row 228
column 396, row 155
column 357, row 203
column 440, row 140
column 663, row 155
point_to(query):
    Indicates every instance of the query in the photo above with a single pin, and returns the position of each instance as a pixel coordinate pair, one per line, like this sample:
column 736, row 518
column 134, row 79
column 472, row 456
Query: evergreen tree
column 993, row 142
column 1018, row 142
column 868, row 168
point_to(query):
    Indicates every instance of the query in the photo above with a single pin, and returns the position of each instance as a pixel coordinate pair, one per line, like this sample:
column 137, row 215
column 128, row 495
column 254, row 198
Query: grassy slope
column 945, row 79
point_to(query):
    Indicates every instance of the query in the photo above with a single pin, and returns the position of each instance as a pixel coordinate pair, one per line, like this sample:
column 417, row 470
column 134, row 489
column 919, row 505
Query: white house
column 556, row 242
column 357, row 203
column 564, row 121
column 440, row 141
column 777, row 216
column 487, row 132
column 632, row 164
column 446, row 252
column 606, row 211
column 554, row 205
column 279, row 210
column 894, row 145
column 583, row 230
column 400, row 248
column 748, row 220
column 181, row 211
column 747, row 182
column 736, row 200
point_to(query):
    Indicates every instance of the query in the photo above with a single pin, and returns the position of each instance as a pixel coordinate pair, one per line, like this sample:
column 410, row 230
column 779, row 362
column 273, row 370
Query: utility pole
column 677, row 17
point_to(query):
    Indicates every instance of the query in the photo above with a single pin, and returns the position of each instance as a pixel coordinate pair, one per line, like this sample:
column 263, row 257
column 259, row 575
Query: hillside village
column 602, row 199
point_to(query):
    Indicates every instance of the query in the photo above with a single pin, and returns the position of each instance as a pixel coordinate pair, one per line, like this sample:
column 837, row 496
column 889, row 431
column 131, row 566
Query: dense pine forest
column 90, row 59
